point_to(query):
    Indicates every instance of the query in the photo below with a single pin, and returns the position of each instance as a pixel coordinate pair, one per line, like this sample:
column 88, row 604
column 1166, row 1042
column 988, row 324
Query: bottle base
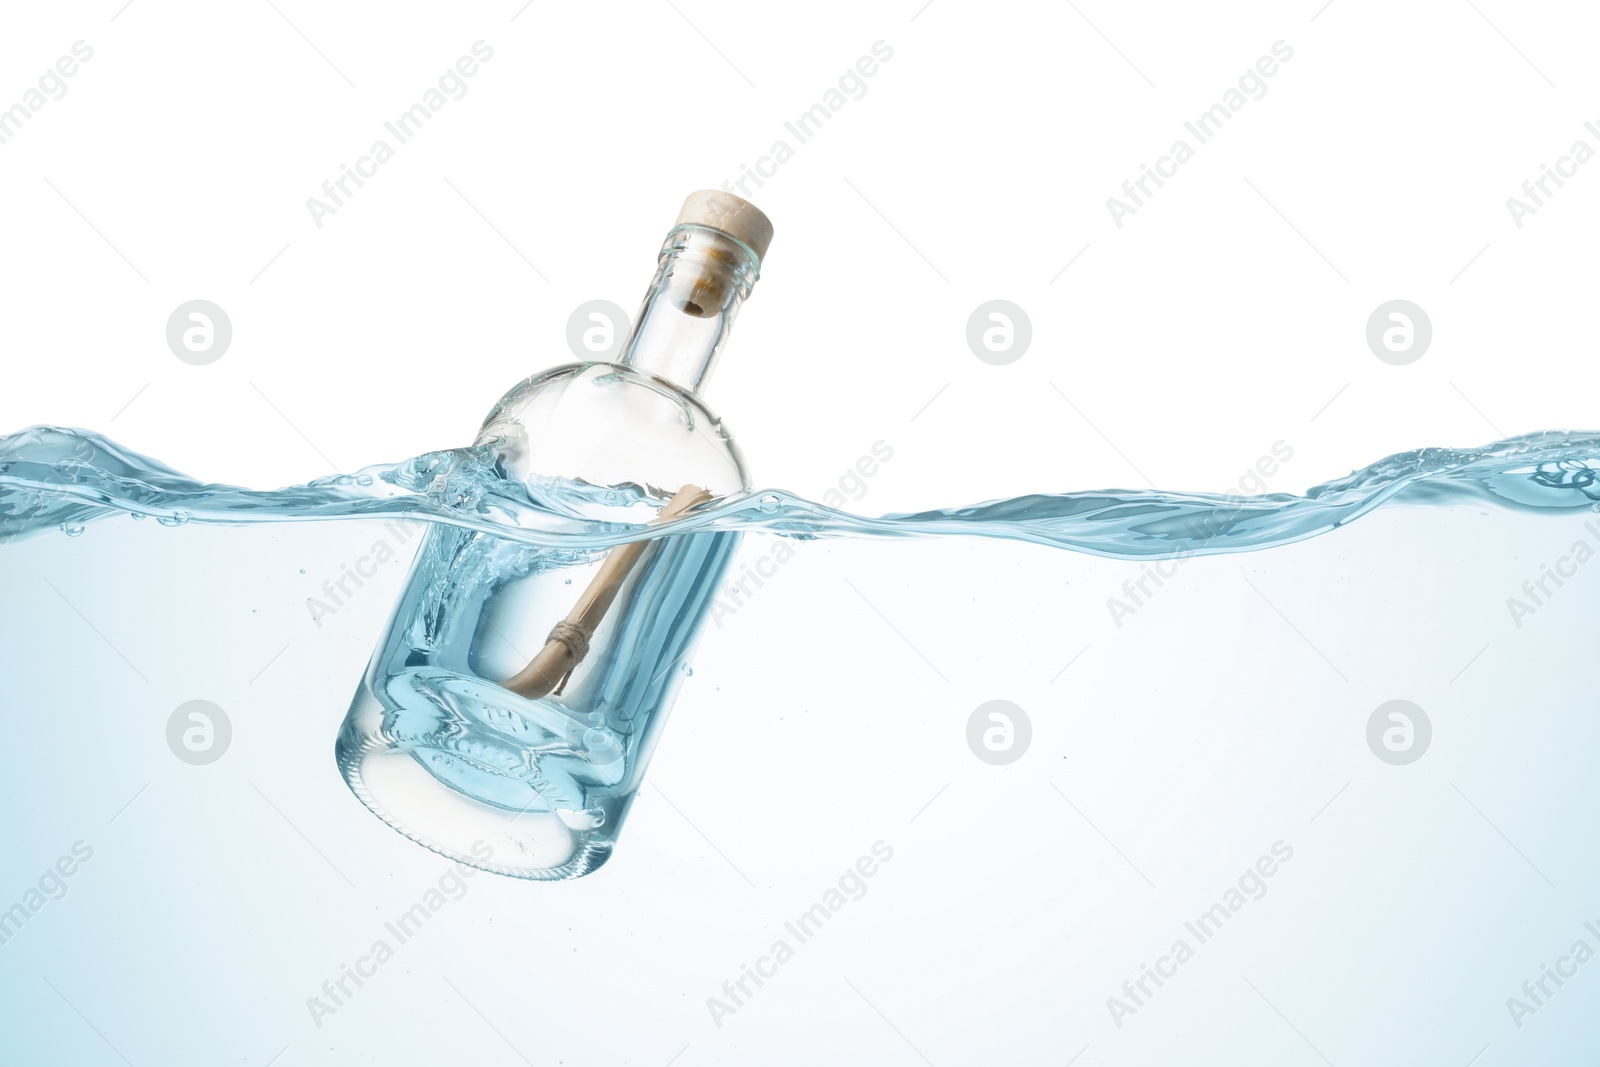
column 396, row 785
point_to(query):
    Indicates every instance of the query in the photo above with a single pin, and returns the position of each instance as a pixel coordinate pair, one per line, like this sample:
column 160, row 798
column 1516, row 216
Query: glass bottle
column 536, row 782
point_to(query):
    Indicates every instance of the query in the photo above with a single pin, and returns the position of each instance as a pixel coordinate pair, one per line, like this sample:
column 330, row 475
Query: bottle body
column 539, row 788
column 508, row 714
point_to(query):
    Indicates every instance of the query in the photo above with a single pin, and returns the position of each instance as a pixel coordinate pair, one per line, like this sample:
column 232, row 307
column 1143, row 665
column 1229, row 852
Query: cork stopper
column 732, row 215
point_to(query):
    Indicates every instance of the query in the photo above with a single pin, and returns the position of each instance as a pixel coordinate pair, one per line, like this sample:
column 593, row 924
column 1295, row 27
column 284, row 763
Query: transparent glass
column 539, row 787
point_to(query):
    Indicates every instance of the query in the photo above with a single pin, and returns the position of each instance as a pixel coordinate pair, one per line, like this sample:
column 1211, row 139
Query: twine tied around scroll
column 569, row 639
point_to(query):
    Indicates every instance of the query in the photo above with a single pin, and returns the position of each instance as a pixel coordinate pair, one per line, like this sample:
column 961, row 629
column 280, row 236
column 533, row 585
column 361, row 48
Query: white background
column 1193, row 337
column 1226, row 315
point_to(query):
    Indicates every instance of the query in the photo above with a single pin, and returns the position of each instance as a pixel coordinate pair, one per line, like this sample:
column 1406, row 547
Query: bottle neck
column 703, row 277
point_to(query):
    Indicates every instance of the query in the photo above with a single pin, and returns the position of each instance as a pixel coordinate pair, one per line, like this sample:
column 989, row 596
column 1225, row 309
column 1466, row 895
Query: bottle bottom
column 448, row 764
column 397, row 786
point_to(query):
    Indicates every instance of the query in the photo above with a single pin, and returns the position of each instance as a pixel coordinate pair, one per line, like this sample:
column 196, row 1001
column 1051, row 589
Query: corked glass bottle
column 507, row 716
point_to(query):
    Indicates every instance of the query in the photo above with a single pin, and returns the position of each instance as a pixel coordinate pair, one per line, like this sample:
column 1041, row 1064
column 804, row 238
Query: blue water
column 544, row 785
column 1174, row 746
column 56, row 478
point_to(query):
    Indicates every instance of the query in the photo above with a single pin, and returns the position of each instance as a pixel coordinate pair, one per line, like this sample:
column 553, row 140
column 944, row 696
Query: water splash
column 53, row 478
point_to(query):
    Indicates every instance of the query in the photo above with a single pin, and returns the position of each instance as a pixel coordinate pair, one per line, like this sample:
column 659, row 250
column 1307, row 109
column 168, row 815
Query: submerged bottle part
column 508, row 714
